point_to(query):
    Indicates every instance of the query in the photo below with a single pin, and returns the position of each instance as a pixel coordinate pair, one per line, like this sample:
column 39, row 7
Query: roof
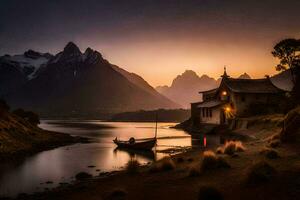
column 251, row 85
column 210, row 104
column 209, row 91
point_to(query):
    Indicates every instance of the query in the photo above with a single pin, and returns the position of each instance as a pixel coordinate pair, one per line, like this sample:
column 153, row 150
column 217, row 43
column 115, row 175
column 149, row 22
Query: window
column 210, row 113
column 207, row 111
column 203, row 112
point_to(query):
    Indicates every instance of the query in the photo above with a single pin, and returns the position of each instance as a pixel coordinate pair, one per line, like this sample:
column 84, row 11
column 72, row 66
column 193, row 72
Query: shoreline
column 56, row 140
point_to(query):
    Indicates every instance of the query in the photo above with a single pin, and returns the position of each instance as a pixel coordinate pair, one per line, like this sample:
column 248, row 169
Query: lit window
column 224, row 93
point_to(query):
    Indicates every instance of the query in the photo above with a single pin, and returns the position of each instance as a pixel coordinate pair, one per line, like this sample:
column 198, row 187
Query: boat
column 138, row 144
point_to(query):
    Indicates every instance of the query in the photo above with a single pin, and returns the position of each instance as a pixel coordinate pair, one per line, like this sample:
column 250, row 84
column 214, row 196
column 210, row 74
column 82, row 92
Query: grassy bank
column 20, row 138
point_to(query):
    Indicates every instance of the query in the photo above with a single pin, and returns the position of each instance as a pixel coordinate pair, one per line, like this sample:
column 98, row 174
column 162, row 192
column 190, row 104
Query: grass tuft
column 209, row 193
column 260, row 172
column 166, row 164
column 211, row 161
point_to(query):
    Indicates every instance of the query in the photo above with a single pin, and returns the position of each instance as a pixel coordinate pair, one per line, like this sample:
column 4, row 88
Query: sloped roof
column 251, row 85
column 210, row 104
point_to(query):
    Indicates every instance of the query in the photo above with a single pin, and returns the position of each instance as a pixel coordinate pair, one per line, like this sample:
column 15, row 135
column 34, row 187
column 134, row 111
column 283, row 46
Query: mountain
column 244, row 76
column 72, row 82
column 283, row 80
column 185, row 88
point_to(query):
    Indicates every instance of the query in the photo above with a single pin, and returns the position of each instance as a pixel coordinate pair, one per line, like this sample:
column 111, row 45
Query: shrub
column 211, row 161
column 231, row 147
column 132, row 167
column 270, row 153
column 82, row 176
column 239, row 147
column 166, row 164
column 260, row 172
column 220, row 150
column 209, row 193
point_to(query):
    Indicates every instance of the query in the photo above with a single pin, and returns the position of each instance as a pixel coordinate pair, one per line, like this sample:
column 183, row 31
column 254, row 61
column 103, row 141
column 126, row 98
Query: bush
column 260, row 172
column 231, row 147
column 82, row 176
column 220, row 150
column 132, row 167
column 211, row 161
column 270, row 153
column 209, row 193
column 166, row 164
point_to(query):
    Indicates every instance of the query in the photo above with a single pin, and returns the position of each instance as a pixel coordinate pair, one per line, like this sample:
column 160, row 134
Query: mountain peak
column 244, row 76
column 72, row 49
column 189, row 73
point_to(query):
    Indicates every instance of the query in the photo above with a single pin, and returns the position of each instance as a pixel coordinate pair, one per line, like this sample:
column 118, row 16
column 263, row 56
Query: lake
column 60, row 165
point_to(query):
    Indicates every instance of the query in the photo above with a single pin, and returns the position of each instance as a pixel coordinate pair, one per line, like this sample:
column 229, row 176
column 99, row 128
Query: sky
column 157, row 39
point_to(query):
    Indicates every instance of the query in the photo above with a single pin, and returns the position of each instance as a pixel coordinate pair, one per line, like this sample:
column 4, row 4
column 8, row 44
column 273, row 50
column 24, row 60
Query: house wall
column 241, row 102
column 213, row 119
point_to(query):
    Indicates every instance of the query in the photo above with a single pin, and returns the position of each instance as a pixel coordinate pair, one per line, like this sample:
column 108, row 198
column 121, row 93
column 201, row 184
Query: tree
column 288, row 52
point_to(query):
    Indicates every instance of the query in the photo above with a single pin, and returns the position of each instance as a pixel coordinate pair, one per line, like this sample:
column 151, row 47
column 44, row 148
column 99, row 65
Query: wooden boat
column 144, row 144
column 140, row 144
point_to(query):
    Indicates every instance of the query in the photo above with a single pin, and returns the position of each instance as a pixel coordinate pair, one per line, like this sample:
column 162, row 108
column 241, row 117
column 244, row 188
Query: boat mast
column 156, row 126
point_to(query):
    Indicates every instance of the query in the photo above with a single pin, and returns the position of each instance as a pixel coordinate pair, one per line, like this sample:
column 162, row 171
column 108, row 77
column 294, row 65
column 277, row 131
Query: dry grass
column 211, row 161
column 132, row 167
column 231, row 147
column 209, row 193
column 260, row 172
column 220, row 150
column 166, row 164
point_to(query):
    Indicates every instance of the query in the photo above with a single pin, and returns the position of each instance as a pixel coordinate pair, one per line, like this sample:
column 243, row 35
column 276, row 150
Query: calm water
column 60, row 165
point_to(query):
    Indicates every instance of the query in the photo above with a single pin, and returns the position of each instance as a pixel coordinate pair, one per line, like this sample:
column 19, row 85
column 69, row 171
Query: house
column 235, row 98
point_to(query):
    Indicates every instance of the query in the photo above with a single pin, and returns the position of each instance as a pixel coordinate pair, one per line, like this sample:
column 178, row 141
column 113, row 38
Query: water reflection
column 62, row 164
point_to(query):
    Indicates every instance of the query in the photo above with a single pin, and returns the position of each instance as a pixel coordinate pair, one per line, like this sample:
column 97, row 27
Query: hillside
column 19, row 137
column 76, row 83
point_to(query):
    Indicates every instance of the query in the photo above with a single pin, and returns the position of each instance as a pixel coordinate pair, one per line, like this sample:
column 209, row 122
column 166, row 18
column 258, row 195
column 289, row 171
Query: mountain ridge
column 75, row 82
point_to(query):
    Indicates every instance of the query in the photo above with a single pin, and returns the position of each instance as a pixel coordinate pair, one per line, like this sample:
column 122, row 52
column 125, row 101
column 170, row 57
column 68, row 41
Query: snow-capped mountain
column 76, row 82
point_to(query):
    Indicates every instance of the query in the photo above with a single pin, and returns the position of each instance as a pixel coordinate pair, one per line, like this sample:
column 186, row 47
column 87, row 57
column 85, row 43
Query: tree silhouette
column 288, row 52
